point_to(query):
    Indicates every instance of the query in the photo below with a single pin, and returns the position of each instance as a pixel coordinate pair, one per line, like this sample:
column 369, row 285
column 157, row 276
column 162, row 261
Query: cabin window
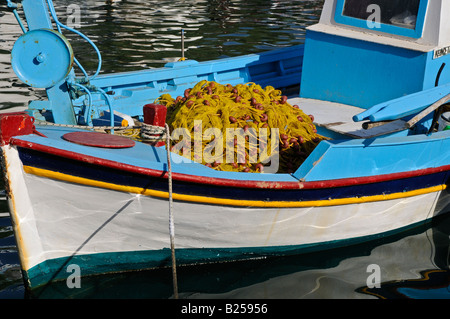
column 402, row 13
column 401, row 17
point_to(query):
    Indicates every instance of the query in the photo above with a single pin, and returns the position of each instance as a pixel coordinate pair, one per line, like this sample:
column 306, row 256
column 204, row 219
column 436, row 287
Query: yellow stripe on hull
column 225, row 201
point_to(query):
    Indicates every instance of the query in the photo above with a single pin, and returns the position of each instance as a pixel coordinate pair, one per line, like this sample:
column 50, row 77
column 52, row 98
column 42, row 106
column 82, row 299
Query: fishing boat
column 372, row 74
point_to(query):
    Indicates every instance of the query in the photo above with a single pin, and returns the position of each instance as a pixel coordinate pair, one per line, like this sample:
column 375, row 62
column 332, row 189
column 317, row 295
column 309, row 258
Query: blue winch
column 42, row 58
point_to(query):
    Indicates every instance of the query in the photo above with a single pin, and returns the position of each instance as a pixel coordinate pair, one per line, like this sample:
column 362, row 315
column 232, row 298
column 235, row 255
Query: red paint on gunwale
column 222, row 181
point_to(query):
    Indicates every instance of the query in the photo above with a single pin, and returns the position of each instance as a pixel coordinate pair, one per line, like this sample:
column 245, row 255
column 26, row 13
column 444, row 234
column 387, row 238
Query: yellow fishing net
column 213, row 115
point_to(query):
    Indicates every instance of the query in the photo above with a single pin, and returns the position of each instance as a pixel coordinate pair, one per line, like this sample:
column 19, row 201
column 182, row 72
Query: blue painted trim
column 337, row 159
column 403, row 106
column 386, row 28
column 101, row 263
column 132, row 90
column 117, row 177
column 333, row 159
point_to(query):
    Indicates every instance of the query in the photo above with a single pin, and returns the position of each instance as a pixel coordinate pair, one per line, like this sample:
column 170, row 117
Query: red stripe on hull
column 223, row 181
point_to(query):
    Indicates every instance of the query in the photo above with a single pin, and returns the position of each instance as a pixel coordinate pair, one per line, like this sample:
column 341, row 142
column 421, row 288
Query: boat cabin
column 364, row 52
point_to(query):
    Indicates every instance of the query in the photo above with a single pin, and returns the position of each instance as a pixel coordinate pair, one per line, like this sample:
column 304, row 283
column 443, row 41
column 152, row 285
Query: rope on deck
column 143, row 132
column 85, row 127
column 153, row 133
column 171, row 221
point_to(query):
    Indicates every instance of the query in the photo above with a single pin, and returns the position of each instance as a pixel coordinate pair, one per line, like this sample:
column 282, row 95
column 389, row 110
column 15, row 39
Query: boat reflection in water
column 412, row 265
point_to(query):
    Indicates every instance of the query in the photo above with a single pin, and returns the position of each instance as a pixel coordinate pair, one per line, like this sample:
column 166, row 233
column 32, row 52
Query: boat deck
column 337, row 118
column 140, row 157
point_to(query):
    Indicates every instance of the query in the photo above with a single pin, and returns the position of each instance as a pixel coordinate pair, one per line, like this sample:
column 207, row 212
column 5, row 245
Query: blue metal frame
column 129, row 92
column 37, row 17
column 386, row 28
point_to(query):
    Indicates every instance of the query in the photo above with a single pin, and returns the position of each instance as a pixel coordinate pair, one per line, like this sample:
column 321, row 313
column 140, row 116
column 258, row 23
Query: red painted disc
column 98, row 139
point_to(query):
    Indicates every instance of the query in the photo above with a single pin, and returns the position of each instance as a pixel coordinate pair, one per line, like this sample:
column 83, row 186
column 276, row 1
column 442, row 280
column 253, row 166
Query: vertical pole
column 182, row 45
column 171, row 222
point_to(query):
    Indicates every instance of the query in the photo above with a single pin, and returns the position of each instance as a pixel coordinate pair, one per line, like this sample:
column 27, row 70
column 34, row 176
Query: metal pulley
column 42, row 58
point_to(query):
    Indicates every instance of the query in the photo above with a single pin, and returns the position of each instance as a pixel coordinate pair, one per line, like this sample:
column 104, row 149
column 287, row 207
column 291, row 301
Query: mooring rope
column 148, row 132
column 152, row 132
column 171, row 220
column 84, row 127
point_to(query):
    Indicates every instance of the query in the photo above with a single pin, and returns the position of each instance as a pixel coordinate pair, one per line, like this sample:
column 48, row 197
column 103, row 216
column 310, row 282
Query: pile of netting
column 209, row 111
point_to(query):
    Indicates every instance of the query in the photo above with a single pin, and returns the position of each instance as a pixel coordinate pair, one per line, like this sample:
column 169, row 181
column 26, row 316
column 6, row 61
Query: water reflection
column 11, row 282
column 149, row 32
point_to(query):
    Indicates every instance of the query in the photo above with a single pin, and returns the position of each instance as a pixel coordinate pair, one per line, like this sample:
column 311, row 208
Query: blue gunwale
column 329, row 161
column 146, row 165
column 99, row 173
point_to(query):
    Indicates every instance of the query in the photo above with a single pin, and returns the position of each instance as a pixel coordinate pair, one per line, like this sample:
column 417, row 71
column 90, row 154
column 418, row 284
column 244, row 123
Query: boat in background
column 375, row 82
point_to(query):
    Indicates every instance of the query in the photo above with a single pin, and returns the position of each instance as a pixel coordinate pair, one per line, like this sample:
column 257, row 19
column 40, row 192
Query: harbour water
column 137, row 34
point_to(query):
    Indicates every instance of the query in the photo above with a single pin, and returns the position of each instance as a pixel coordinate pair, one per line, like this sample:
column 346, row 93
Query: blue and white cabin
column 366, row 52
column 351, row 58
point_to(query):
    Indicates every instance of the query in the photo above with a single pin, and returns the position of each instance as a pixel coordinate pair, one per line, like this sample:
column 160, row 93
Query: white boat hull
column 58, row 220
